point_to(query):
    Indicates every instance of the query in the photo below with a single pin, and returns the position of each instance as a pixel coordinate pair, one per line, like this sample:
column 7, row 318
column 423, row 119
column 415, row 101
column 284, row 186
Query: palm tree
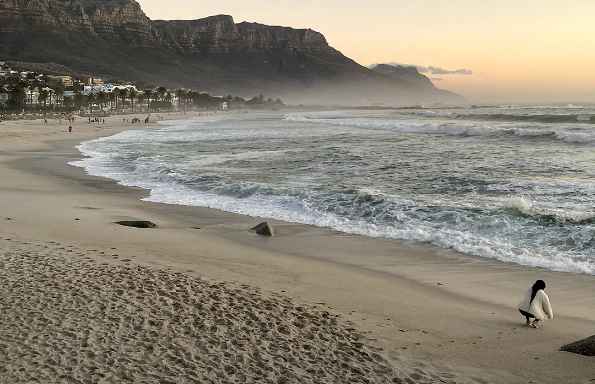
column 101, row 98
column 68, row 103
column 112, row 98
column 78, row 99
column 59, row 91
column 149, row 94
column 180, row 95
column 43, row 97
column 193, row 97
column 116, row 93
column 124, row 96
column 50, row 93
column 132, row 94
column 140, row 97
column 90, row 100
column 161, row 91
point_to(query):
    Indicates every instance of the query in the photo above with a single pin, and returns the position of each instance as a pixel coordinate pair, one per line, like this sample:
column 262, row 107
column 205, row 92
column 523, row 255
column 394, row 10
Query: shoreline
column 417, row 286
column 450, row 251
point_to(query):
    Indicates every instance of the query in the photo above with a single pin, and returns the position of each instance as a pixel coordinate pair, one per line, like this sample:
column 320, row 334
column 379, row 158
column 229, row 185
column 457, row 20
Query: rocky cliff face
column 107, row 18
column 215, row 34
column 124, row 20
column 114, row 38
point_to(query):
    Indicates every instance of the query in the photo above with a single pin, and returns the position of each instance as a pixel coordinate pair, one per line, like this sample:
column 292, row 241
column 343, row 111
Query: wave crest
column 451, row 128
column 521, row 206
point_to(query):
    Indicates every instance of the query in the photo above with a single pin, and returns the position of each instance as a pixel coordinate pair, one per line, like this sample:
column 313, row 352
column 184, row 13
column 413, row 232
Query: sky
column 511, row 51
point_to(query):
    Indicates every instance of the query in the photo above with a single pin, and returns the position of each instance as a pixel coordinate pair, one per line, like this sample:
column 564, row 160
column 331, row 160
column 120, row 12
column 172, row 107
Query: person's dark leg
column 528, row 317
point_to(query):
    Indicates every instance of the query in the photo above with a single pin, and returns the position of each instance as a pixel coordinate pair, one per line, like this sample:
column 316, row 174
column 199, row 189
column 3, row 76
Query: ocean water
column 512, row 183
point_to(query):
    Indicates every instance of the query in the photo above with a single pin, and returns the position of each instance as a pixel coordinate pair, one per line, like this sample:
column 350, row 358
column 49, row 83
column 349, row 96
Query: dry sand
column 179, row 304
column 65, row 316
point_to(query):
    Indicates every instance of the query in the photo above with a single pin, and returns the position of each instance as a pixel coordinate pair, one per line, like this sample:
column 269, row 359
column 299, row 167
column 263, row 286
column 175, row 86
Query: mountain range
column 116, row 40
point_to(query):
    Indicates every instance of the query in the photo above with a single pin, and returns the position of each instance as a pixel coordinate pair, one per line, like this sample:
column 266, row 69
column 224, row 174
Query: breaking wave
column 523, row 207
column 453, row 128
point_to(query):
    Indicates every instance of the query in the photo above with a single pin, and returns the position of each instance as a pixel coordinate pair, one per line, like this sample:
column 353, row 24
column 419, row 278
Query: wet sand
column 431, row 315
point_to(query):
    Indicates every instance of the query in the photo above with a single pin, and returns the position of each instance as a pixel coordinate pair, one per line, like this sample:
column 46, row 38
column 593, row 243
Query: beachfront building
column 92, row 81
column 47, row 96
column 65, row 81
column 107, row 88
column 32, row 96
column 92, row 89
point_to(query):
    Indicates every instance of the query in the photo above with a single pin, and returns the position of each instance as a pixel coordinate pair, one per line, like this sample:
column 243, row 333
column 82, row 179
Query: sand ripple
column 65, row 318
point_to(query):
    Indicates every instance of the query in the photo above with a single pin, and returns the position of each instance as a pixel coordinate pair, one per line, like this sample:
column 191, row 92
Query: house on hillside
column 27, row 75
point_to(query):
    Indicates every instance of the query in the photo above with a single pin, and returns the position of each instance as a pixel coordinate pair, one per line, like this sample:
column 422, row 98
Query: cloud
column 432, row 70
column 441, row 71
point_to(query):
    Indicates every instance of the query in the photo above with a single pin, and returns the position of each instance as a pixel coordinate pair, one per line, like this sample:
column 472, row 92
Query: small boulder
column 137, row 223
column 264, row 229
column 585, row 347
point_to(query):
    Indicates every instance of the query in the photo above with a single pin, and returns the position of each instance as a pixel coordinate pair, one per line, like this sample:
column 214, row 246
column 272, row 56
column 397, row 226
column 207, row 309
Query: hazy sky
column 518, row 50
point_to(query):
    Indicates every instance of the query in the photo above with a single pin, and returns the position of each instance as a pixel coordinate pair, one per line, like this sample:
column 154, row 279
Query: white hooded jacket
column 540, row 307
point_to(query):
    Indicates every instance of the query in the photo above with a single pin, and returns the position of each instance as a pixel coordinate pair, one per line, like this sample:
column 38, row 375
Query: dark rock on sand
column 585, row 347
column 264, row 229
column 137, row 223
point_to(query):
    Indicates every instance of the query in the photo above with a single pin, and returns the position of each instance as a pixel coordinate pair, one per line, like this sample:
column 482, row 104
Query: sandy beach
column 202, row 299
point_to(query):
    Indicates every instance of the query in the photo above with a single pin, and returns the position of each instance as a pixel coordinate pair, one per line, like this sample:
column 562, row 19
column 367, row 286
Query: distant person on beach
column 70, row 129
column 536, row 305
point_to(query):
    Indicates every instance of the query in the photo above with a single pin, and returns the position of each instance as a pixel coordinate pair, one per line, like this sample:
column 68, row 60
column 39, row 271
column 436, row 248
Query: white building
column 32, row 96
column 107, row 88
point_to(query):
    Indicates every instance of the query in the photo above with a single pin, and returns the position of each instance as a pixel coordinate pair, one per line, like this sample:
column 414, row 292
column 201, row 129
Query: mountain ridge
column 115, row 39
